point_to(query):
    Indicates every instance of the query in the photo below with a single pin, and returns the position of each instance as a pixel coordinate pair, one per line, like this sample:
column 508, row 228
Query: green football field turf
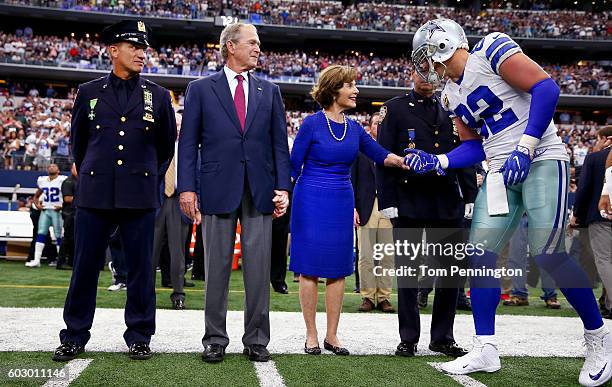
column 46, row 287
column 115, row 369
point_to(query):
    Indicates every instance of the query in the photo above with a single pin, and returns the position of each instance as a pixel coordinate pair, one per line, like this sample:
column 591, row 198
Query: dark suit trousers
column 92, row 232
column 445, row 301
column 256, row 243
column 280, row 234
column 170, row 227
column 66, row 252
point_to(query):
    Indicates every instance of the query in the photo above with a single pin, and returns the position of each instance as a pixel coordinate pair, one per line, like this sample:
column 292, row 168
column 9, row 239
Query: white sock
column 38, row 250
column 602, row 330
column 487, row 339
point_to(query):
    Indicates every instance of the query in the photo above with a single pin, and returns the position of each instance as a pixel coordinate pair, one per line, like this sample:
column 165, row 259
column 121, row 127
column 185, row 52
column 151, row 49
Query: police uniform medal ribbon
column 148, row 105
column 411, row 135
column 92, row 106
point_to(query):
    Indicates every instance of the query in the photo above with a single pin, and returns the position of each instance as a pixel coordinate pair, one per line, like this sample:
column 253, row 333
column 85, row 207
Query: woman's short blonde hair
column 331, row 80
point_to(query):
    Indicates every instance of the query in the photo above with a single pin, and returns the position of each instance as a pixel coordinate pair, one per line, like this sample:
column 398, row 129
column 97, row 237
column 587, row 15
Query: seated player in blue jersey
column 503, row 103
column 48, row 199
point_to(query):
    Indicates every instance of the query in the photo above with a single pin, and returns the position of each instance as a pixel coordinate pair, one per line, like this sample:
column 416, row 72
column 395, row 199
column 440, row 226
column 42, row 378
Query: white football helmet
column 436, row 41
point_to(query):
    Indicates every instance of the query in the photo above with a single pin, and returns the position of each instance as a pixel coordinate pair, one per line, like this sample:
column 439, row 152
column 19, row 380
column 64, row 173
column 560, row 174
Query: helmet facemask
column 425, row 65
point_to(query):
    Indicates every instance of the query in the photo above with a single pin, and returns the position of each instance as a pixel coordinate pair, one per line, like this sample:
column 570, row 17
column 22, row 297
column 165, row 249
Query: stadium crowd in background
column 294, row 66
column 34, row 131
column 361, row 16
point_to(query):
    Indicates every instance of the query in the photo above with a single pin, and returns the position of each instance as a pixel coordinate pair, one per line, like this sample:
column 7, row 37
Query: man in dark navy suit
column 587, row 213
column 414, row 203
column 123, row 130
column 171, row 228
column 239, row 120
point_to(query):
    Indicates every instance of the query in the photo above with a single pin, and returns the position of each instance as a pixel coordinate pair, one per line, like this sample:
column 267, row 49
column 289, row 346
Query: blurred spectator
column 293, row 66
column 567, row 24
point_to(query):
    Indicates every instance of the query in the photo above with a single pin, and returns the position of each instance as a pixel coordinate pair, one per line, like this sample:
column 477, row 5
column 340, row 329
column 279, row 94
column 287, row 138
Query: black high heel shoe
column 312, row 350
column 340, row 351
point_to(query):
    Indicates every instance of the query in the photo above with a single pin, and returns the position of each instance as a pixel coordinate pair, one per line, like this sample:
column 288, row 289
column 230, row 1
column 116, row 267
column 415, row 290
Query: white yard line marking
column 268, row 374
column 71, row 370
column 181, row 332
column 464, row 380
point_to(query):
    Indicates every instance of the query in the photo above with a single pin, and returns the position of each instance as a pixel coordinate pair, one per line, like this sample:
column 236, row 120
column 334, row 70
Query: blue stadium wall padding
column 27, row 179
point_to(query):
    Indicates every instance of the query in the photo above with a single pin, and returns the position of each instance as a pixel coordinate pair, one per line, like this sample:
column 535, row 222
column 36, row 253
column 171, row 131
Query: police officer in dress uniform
column 429, row 202
column 123, row 130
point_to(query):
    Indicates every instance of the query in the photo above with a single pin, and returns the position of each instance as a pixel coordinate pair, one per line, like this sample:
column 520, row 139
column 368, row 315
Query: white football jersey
column 496, row 110
column 52, row 191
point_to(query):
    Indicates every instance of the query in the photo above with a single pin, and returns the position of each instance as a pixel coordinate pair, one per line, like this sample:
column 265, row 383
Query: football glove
column 422, row 162
column 516, row 167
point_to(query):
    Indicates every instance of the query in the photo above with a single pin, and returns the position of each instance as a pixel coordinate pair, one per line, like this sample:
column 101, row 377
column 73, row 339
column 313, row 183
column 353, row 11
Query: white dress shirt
column 233, row 82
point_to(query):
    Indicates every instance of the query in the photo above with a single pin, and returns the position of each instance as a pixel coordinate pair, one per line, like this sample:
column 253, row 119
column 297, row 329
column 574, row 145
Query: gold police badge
column 446, row 101
column 382, row 113
column 141, row 26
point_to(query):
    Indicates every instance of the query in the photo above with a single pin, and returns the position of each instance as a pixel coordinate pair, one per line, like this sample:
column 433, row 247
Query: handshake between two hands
column 515, row 169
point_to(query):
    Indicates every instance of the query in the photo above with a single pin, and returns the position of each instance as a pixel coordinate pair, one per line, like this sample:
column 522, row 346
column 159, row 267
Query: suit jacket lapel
column 137, row 97
column 222, row 90
column 108, row 96
column 255, row 91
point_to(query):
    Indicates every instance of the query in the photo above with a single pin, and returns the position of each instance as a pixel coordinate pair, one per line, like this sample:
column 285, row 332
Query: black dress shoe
column 256, row 352
column 140, row 351
column 607, row 314
column 213, row 353
column 340, row 351
column 312, row 350
column 63, row 266
column 450, row 349
column 282, row 289
column 405, row 349
column 178, row 304
column 67, row 351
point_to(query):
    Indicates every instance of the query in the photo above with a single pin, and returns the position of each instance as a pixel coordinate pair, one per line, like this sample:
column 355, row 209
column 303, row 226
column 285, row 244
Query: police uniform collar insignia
column 92, row 107
column 148, row 105
column 141, row 26
column 382, row 113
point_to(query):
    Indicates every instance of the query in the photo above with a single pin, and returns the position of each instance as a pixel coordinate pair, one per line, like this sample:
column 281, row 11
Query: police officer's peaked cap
column 133, row 31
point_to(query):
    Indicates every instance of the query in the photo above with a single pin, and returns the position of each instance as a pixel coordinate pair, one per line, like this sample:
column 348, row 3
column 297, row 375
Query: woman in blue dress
column 322, row 213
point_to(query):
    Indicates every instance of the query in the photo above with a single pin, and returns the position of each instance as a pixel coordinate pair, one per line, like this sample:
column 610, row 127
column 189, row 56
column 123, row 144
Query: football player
column 48, row 199
column 503, row 105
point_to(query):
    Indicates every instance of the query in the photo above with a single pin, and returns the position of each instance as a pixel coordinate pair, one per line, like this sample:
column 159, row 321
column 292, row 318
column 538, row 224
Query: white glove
column 469, row 210
column 389, row 213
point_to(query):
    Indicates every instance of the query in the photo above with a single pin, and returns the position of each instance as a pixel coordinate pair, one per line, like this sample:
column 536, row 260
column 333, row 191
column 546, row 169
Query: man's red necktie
column 239, row 102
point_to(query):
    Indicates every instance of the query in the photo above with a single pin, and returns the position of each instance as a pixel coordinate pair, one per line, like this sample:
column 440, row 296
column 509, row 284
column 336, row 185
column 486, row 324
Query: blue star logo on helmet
column 432, row 27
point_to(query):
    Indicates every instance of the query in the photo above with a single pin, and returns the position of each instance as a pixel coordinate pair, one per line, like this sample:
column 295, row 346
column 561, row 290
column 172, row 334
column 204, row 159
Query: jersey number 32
column 51, row 194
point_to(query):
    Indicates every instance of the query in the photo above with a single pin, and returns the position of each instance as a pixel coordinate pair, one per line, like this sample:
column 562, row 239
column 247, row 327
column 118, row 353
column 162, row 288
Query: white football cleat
column 33, row 263
column 597, row 368
column 482, row 358
column 117, row 287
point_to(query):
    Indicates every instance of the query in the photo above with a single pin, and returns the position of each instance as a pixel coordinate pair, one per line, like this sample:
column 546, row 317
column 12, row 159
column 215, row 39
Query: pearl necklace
column 330, row 129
